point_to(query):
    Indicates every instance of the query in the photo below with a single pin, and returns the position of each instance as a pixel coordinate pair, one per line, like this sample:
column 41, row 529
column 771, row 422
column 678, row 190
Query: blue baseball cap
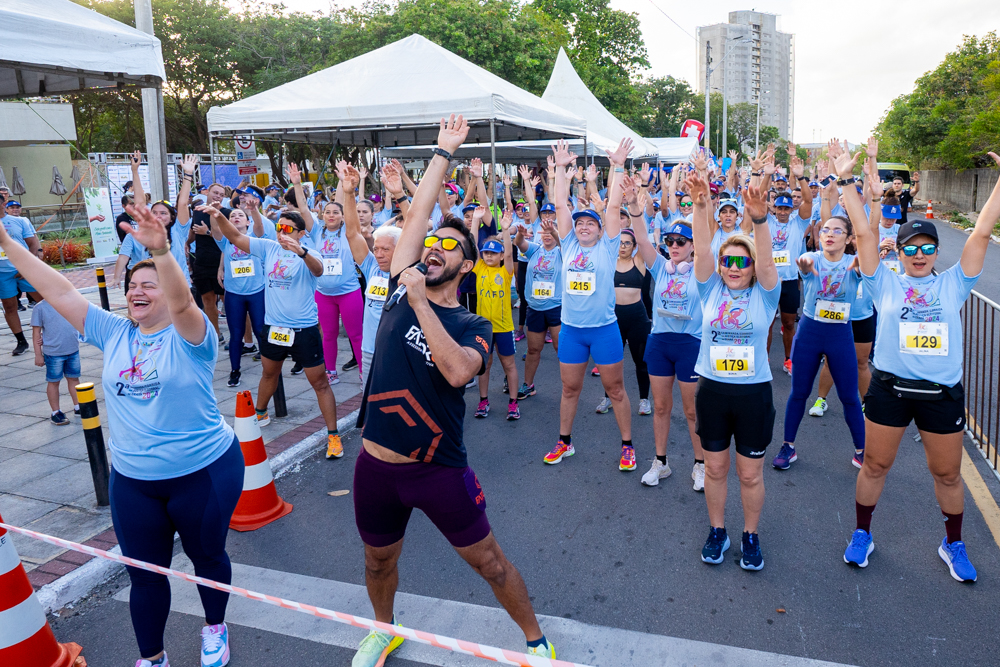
column 779, row 177
column 813, row 184
column 492, row 246
column 888, row 211
column 729, row 202
column 783, row 200
column 13, row 203
column 548, row 208
column 468, row 207
column 680, row 194
column 679, row 230
column 587, row 213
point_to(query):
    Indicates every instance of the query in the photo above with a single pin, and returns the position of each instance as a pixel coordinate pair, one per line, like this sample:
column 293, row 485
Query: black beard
column 445, row 277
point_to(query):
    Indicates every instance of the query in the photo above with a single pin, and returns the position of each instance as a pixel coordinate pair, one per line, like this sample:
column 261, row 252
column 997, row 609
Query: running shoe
column 506, row 389
column 234, row 379
column 226, row 347
column 483, row 409
column 20, row 349
column 525, row 391
column 957, row 560
column 334, row 447
column 548, row 337
column 20, row 306
column 644, row 407
column 332, row 377
column 819, row 408
column 256, row 357
column 752, row 558
column 262, row 418
column 58, row 418
column 544, row 651
column 596, row 372
column 297, row 368
column 248, row 349
column 655, row 473
column 787, row 366
column 559, row 452
column 519, row 335
column 472, row 383
column 698, row 476
column 861, row 547
column 859, row 459
column 146, row 663
column 627, row 461
column 375, row 648
column 76, row 411
column 215, row 646
column 603, row 406
column 351, row 363
column 513, row 412
column 222, row 339
column 785, row 458
column 715, row 546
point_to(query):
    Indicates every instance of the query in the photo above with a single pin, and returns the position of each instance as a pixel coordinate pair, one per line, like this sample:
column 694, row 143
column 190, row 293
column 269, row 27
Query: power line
column 673, row 21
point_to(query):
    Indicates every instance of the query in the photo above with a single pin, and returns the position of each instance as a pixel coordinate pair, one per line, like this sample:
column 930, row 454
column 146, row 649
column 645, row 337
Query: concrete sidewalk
column 45, row 480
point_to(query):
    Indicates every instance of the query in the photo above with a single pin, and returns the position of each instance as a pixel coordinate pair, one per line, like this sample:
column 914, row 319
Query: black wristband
column 442, row 152
column 846, row 181
column 757, row 221
column 802, row 178
column 303, row 255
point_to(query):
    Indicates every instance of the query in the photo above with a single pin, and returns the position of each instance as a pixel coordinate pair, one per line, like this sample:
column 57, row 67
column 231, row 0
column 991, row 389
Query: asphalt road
column 952, row 242
column 595, row 546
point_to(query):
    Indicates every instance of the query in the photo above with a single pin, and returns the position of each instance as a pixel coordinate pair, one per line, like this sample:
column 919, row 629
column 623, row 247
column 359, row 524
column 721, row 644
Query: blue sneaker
column 958, row 561
column 785, row 458
column 715, row 546
column 860, row 548
column 215, row 645
column 752, row 558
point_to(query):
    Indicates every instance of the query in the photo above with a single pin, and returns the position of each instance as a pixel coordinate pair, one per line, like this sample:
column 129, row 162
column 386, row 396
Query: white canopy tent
column 394, row 96
column 672, row 150
column 57, row 46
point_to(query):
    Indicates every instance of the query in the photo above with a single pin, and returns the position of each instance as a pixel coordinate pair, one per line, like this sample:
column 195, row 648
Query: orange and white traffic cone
column 929, row 215
column 259, row 503
column 26, row 639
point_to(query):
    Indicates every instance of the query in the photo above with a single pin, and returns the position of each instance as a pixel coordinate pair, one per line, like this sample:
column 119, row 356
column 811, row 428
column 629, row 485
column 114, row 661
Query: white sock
column 54, row 412
column 76, row 407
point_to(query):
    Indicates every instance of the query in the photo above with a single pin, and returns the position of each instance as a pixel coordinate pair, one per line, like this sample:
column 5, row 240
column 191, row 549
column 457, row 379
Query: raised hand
column 697, row 187
column 798, row 167
column 452, row 133
column 551, row 161
column 293, row 174
column 506, row 219
column 136, row 159
column 757, row 162
column 535, row 180
column 700, row 160
column 592, row 173
column 580, row 173
column 392, row 180
column 506, row 180
column 806, row 265
column 618, row 156
column 189, row 163
column 872, row 148
column 645, row 173
column 570, row 173
column 599, row 204
column 476, row 167
column 875, row 183
column 844, row 163
column 755, row 202
column 478, row 215
column 561, row 155
column 550, row 227
column 349, row 177
column 734, row 155
column 149, row 231
column 823, row 167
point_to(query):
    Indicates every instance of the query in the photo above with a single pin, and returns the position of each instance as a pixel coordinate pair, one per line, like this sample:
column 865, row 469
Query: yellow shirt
column 493, row 292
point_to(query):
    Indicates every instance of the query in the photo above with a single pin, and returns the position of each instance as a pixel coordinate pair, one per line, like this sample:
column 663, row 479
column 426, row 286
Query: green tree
column 666, row 103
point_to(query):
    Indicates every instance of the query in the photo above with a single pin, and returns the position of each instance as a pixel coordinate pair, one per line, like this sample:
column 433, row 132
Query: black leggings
column 522, row 276
column 634, row 326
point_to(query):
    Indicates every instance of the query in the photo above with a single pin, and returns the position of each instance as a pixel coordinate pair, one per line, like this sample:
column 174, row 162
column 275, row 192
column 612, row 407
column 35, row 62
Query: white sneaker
column 332, row 377
column 644, row 407
column 215, row 645
column 657, row 472
column 472, row 383
column 603, row 406
column 698, row 475
column 819, row 408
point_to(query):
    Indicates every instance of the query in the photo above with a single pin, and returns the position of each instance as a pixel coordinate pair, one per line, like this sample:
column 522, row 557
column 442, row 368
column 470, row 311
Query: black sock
column 701, row 461
column 662, row 459
column 539, row 642
column 511, row 400
column 953, row 526
column 626, row 443
column 567, row 439
column 20, row 337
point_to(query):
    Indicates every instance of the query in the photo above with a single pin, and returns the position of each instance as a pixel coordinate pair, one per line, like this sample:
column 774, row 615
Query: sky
column 849, row 65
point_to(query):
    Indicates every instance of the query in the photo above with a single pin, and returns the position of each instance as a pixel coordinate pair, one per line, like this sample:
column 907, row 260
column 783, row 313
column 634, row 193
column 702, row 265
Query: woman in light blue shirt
column 739, row 292
column 543, row 292
column 589, row 326
column 918, row 364
column 176, row 464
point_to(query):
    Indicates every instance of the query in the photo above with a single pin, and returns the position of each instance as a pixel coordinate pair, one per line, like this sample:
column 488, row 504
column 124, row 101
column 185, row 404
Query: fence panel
column 981, row 334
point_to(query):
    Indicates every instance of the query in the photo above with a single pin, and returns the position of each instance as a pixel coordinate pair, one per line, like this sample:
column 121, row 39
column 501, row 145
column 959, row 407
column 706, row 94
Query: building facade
column 760, row 65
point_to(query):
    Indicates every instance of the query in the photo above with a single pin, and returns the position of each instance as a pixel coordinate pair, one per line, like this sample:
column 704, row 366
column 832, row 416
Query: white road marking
column 574, row 640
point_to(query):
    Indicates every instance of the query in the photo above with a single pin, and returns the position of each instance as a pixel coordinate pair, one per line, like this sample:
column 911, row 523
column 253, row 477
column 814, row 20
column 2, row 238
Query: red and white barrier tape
column 459, row 646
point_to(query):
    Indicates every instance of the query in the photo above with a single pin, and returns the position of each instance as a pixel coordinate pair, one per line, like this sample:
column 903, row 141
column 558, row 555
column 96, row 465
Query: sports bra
column 631, row 278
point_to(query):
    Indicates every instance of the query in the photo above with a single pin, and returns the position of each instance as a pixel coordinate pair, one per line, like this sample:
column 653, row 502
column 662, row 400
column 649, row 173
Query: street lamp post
column 708, row 89
column 756, row 140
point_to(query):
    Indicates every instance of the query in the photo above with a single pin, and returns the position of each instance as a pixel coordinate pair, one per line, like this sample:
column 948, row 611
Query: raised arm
column 139, row 194
column 508, row 202
column 756, row 207
column 612, row 215
column 798, row 170
column 974, row 254
column 704, row 262
column 482, row 194
column 560, row 159
column 350, row 178
column 591, row 176
column 408, row 183
column 409, row 248
column 184, row 196
column 393, row 182
column 867, row 239
column 646, row 248
column 301, row 205
column 508, row 249
column 363, row 176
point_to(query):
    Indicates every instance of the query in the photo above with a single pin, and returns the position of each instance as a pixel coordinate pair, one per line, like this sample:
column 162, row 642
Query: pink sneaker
column 548, row 337
column 519, row 335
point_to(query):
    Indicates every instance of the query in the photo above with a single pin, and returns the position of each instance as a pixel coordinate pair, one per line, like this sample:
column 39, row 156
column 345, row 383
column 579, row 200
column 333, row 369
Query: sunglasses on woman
column 687, row 204
column 739, row 261
column 285, row 229
column 927, row 249
column 833, row 231
column 675, row 240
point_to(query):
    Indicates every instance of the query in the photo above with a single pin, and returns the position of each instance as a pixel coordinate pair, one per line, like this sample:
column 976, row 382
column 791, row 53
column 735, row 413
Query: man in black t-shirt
column 906, row 196
column 413, row 456
column 205, row 268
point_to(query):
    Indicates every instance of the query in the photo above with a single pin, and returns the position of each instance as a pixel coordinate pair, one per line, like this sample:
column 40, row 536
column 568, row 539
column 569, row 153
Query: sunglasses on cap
column 927, row 249
column 739, row 261
column 675, row 240
column 285, row 228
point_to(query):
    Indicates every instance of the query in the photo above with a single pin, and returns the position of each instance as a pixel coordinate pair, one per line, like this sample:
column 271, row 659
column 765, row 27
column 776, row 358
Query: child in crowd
column 57, row 347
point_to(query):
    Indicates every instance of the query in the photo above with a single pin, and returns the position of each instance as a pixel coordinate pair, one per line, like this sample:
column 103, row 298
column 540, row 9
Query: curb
column 70, row 588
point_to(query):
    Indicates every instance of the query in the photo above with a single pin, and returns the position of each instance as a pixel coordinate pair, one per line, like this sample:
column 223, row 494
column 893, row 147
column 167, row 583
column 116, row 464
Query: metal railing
column 981, row 340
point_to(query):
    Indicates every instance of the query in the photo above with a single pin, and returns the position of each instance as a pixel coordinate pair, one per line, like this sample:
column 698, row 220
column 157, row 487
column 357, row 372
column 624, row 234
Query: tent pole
column 211, row 156
column 585, row 151
column 493, row 162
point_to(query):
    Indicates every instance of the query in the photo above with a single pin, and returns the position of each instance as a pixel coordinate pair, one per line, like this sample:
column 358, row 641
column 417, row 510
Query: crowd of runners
column 691, row 267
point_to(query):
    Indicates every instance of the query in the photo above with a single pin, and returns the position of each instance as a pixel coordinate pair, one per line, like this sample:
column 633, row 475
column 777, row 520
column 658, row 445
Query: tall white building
column 761, row 65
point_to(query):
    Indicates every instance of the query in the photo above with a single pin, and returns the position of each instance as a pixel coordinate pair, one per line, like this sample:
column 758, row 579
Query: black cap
column 910, row 229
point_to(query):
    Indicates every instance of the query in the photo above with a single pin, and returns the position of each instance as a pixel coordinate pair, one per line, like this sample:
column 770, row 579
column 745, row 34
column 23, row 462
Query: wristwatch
column 304, row 253
column 846, row 181
column 442, row 152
